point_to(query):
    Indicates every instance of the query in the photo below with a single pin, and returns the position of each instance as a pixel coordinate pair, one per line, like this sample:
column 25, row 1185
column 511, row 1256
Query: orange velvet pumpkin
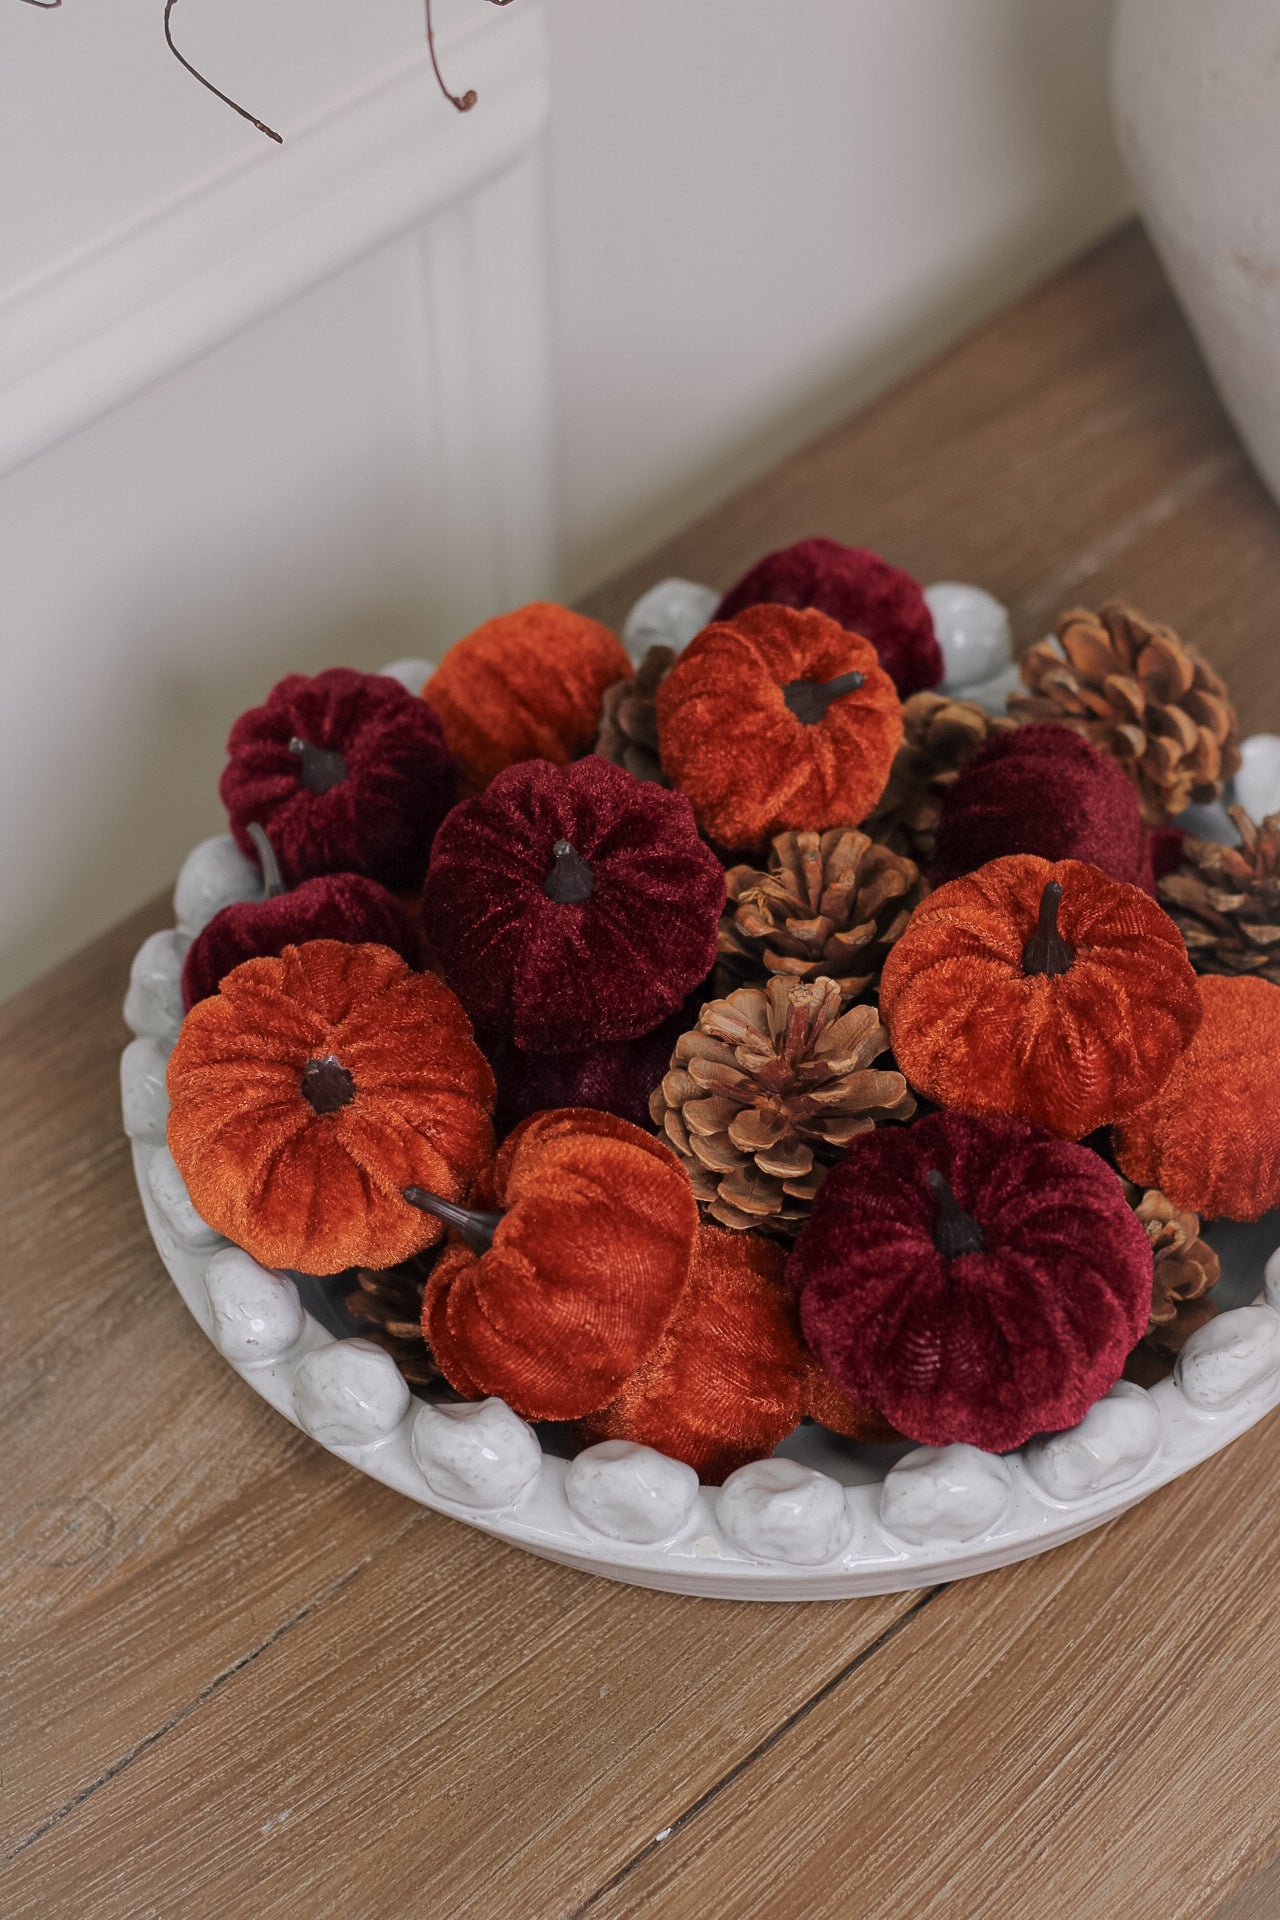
column 727, row 1381
column 778, row 719
column 1042, row 990
column 311, row 1089
column 588, row 1261
column 825, row 1403
column 527, row 685
column 1210, row 1139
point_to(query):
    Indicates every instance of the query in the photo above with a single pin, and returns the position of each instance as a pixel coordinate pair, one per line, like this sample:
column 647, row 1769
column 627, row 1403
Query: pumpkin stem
column 326, row 1085
column 569, row 878
column 809, row 699
column 474, row 1227
column 955, row 1231
column 321, row 768
column 273, row 879
column 1046, row 951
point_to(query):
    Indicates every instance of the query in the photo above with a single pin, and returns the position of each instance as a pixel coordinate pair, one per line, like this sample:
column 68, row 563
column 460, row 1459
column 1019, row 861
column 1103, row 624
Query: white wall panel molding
column 156, row 295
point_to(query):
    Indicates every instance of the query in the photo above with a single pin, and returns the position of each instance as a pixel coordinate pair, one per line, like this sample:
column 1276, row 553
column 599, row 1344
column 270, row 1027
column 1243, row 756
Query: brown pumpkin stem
column 463, row 102
column 954, row 1231
column 196, row 74
column 326, row 1085
column 569, row 878
column 809, row 699
column 320, row 767
column 1046, row 951
column 469, row 1223
column 272, row 878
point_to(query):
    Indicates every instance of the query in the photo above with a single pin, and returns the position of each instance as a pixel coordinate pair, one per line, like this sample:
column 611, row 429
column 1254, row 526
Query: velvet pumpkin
column 860, row 590
column 834, row 1410
column 566, row 1285
column 975, row 1280
column 527, row 685
column 1041, row 989
column 775, row 720
column 1210, row 1139
column 311, row 1089
column 1044, row 790
column 727, row 1381
column 332, row 906
column 347, row 772
column 572, row 906
column 616, row 1078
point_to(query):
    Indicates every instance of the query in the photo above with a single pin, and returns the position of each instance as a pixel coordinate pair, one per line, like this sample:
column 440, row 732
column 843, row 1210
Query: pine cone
column 767, row 1091
column 1226, row 900
column 1185, row 1269
column 628, row 732
column 391, row 1301
column 1133, row 689
column 939, row 739
column 830, row 903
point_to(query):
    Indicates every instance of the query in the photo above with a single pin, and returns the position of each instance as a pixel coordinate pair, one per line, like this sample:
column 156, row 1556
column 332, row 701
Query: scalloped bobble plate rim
column 781, row 1529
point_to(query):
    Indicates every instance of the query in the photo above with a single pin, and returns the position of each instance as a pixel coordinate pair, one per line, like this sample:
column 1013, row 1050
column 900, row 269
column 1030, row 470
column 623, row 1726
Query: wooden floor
column 243, row 1680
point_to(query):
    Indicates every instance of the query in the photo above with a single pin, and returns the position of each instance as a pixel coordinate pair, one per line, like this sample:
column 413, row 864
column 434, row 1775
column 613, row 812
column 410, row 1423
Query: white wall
column 760, row 214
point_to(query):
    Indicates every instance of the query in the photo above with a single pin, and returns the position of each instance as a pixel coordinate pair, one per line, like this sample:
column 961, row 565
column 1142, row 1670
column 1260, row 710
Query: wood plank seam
column 206, row 1693
column 758, row 1752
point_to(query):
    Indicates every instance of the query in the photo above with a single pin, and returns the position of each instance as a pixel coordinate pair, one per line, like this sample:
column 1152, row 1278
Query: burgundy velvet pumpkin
column 973, row 1280
column 616, row 1078
column 1043, row 790
column 572, row 906
column 348, row 772
column 858, row 589
column 333, row 906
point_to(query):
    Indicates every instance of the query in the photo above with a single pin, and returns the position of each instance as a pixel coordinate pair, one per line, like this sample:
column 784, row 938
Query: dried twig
column 463, row 102
column 169, row 6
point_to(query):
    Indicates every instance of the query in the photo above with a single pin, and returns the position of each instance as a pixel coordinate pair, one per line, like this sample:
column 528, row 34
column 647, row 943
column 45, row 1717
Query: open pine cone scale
column 1226, row 900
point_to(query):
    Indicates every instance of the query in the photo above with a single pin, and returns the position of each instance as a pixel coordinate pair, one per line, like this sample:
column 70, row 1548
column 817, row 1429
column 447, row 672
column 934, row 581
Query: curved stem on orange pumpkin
column 955, row 1231
column 319, row 767
column 569, row 878
column 1046, row 951
column 196, row 74
column 469, row 1223
column 809, row 699
column 326, row 1085
column 272, row 879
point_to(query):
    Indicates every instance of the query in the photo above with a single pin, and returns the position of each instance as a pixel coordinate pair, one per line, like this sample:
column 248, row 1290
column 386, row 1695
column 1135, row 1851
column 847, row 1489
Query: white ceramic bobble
column 476, row 1453
column 1271, row 1279
column 412, row 674
column 629, row 1492
column 779, row 1510
column 153, row 1004
column 1257, row 782
column 1226, row 1360
column 144, row 1101
column 669, row 615
column 973, row 631
column 349, row 1393
column 214, row 875
column 256, row 1314
column 1114, row 1441
column 944, row 1493
column 169, row 1191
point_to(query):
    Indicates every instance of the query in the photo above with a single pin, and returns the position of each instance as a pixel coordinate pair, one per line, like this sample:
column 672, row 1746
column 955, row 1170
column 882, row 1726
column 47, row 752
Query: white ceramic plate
column 822, row 1520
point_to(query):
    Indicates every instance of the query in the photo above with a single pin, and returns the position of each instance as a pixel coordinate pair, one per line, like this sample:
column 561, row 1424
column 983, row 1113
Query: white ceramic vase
column 1196, row 102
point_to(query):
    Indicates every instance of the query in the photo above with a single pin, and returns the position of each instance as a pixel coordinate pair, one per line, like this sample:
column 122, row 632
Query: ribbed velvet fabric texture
column 586, row 1269
column 333, row 906
column 1043, row 789
column 401, row 778
column 559, row 977
column 991, row 1347
column 749, row 765
column 527, row 685
column 859, row 590
column 319, row 1192
column 1210, row 1139
column 616, row 1078
column 1071, row 1051
column 825, row 1403
column 726, row 1382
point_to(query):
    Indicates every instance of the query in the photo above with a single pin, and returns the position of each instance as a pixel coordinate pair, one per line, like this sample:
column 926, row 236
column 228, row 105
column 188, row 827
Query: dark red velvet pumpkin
column 973, row 1280
column 572, row 906
column 348, row 772
column 1043, row 790
column 616, row 1078
column 333, row 906
column 858, row 589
